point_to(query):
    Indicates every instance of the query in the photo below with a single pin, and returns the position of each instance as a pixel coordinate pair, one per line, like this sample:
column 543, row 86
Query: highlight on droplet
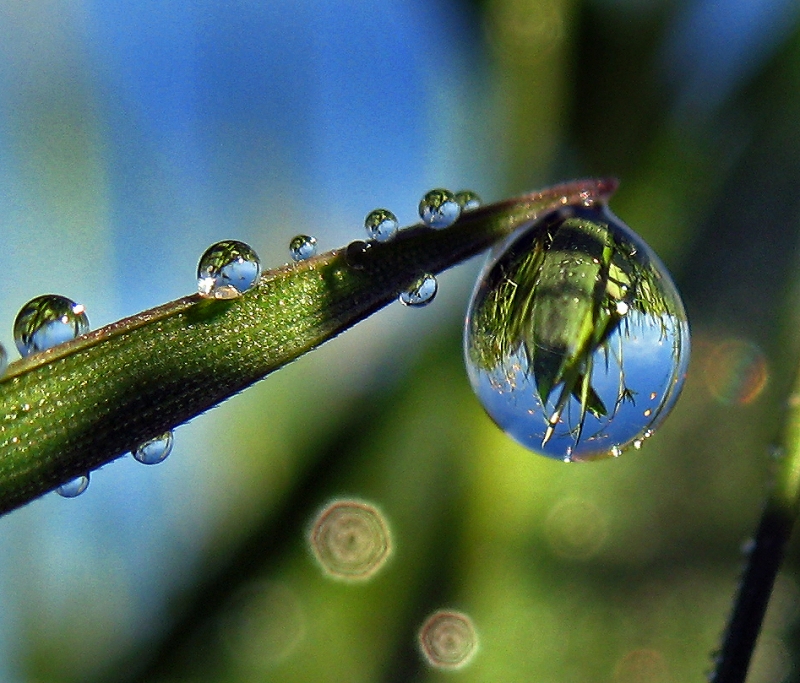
column 448, row 640
column 735, row 372
column 350, row 539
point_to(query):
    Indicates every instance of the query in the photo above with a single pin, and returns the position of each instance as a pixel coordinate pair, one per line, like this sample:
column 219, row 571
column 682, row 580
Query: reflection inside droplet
column 302, row 247
column 47, row 321
column 227, row 269
column 381, row 225
column 439, row 209
column 74, row 487
column 156, row 450
column 421, row 293
column 576, row 340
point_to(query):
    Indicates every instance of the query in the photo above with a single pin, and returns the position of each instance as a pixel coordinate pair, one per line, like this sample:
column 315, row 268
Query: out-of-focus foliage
column 132, row 137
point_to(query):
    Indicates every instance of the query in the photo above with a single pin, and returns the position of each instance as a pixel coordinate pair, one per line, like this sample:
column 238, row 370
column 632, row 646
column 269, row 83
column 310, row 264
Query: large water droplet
column 421, row 293
column 381, row 225
column 74, row 487
column 227, row 269
column 468, row 200
column 47, row 321
column 302, row 247
column 154, row 451
column 439, row 209
column 576, row 340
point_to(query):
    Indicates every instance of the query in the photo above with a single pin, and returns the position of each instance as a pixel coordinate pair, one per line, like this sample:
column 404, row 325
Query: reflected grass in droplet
column 421, row 293
column 47, row 321
column 381, row 225
column 227, row 270
column 302, row 247
column 155, row 450
column 576, row 340
column 439, row 209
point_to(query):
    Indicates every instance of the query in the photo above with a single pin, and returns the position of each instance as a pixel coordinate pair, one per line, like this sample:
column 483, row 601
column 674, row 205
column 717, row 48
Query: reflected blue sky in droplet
column 642, row 356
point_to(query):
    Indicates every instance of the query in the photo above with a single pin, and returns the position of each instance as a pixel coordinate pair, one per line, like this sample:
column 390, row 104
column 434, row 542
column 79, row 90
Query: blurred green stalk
column 765, row 554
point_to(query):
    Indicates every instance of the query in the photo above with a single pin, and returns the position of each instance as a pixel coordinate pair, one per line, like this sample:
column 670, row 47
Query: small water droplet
column 563, row 363
column 302, row 247
column 3, row 359
column 381, row 225
column 74, row 487
column 439, row 209
column 47, row 321
column 468, row 200
column 421, row 293
column 448, row 639
column 227, row 270
column 154, row 451
column 350, row 540
column 356, row 254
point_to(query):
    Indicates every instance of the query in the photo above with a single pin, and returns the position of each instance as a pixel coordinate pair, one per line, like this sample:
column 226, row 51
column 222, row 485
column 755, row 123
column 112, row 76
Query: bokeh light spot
column 448, row 639
column 576, row 528
column 351, row 540
column 735, row 372
column 641, row 666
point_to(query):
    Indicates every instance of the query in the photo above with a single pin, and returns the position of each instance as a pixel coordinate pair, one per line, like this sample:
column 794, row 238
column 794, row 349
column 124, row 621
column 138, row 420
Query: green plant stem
column 68, row 410
column 766, row 553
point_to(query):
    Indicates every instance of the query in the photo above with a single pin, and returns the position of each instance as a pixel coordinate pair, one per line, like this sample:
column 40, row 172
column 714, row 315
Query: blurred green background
column 132, row 135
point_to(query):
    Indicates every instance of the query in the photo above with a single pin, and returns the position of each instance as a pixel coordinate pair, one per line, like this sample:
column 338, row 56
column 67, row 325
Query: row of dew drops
column 227, row 270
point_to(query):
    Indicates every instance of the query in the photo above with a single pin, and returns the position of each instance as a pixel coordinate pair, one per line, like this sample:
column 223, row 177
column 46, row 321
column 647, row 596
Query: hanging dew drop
column 74, row 487
column 47, row 321
column 421, row 293
column 381, row 225
column 227, row 270
column 154, row 451
column 468, row 200
column 439, row 209
column 3, row 360
column 576, row 340
column 302, row 247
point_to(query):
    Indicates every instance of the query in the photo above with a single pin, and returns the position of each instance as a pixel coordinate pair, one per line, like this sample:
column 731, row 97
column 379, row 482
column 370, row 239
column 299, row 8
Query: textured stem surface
column 72, row 408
